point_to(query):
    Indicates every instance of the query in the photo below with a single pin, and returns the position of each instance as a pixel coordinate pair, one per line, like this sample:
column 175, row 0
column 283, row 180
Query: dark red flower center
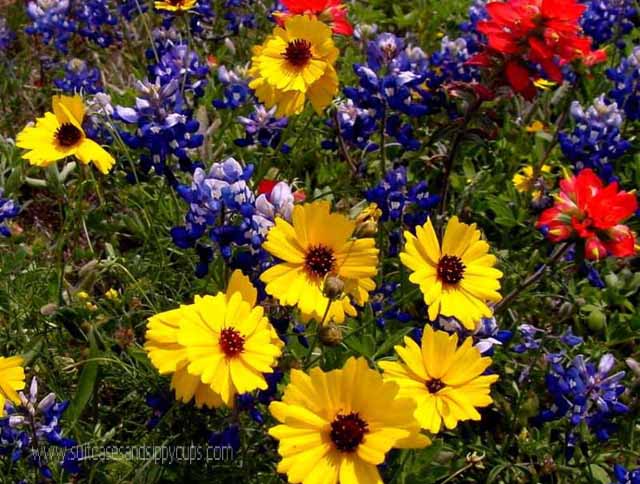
column 319, row 261
column 298, row 52
column 450, row 269
column 68, row 135
column 435, row 385
column 231, row 342
column 347, row 431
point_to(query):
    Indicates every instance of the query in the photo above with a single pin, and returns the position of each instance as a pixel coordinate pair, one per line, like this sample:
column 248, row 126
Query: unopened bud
column 475, row 460
column 333, row 287
column 368, row 228
column 634, row 366
column 566, row 310
column 330, row 335
column 48, row 309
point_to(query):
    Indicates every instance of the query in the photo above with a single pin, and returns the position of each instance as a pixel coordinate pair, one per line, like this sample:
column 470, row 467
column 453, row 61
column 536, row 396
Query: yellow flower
column 535, row 127
column 544, row 84
column 112, row 294
column 523, row 181
column 457, row 280
column 11, row 380
column 175, row 5
column 82, row 295
column 370, row 212
column 217, row 347
column 444, row 380
column 338, row 425
column 59, row 134
column 294, row 63
column 319, row 244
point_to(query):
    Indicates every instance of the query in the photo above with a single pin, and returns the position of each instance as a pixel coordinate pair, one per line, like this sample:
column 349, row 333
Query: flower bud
column 333, row 287
column 330, row 335
column 48, row 309
column 596, row 321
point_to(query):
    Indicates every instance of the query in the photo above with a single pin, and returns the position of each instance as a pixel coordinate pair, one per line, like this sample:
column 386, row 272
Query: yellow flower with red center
column 296, row 63
column 445, row 380
column 339, row 425
column 217, row 347
column 318, row 244
column 59, row 134
column 457, row 279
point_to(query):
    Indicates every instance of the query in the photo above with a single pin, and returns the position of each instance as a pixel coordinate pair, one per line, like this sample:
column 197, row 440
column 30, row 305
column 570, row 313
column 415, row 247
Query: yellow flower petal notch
column 458, row 279
column 296, row 63
column 59, row 134
column 175, row 5
column 319, row 244
column 11, row 380
column 215, row 348
column 445, row 380
column 338, row 425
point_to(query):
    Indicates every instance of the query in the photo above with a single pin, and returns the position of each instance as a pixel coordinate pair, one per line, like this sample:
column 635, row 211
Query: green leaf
column 86, row 383
column 599, row 474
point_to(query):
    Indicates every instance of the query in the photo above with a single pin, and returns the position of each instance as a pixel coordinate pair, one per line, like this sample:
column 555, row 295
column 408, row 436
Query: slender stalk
column 532, row 279
column 453, row 152
column 383, row 151
column 342, row 145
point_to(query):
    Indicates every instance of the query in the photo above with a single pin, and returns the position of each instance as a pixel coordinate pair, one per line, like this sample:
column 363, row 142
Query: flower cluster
column 596, row 141
column 584, row 392
column 8, row 210
column 58, row 21
column 605, row 21
column 263, row 129
column 79, row 77
column 163, row 126
column 531, row 39
column 223, row 206
column 591, row 213
column 32, row 423
column 626, row 84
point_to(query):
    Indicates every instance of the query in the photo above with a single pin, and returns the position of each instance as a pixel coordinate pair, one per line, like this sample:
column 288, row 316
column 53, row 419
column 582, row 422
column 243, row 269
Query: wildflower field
column 319, row 241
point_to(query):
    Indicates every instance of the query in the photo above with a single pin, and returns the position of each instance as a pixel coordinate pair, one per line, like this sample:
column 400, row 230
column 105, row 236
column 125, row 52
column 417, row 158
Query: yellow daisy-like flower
column 535, row 127
column 294, row 63
column 59, row 134
column 175, row 5
column 11, row 380
column 217, row 347
column 524, row 181
column 445, row 380
column 338, row 425
column 458, row 279
column 318, row 244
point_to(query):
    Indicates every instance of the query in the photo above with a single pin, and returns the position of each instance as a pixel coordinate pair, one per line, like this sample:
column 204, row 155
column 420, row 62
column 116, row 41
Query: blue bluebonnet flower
column 626, row 84
column 624, row 476
column 229, row 437
column 7, row 36
column 164, row 126
column 263, row 128
column 584, row 392
column 248, row 403
column 35, row 423
column 400, row 202
column 96, row 20
column 239, row 14
column 596, row 141
column 384, row 305
column 235, row 91
column 606, row 20
column 223, row 207
column 486, row 335
column 532, row 338
column 300, row 330
column 50, row 19
column 160, row 405
column 8, row 210
column 79, row 77
column 357, row 125
column 178, row 62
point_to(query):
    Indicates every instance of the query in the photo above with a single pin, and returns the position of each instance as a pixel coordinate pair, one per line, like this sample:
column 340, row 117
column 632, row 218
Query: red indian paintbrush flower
column 586, row 209
column 333, row 12
column 523, row 34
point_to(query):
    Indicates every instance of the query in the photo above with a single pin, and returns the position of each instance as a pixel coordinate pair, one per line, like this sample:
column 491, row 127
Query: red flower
column 330, row 11
column 524, row 33
column 586, row 209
